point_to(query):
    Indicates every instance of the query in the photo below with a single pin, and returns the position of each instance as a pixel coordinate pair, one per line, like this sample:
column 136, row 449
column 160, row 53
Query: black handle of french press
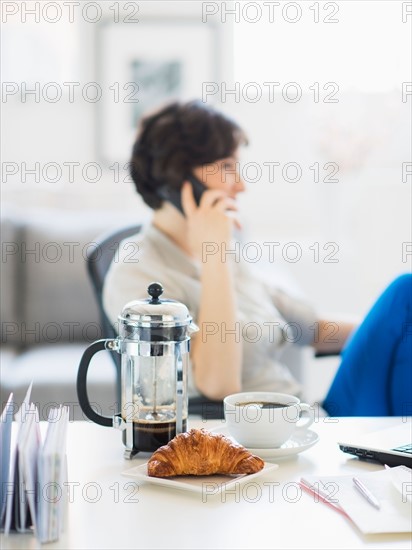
column 82, row 384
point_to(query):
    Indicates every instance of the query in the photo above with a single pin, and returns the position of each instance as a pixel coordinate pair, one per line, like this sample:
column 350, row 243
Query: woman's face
column 223, row 175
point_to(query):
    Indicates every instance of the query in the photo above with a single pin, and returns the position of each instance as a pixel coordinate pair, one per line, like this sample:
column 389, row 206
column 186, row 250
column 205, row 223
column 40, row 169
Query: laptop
column 391, row 446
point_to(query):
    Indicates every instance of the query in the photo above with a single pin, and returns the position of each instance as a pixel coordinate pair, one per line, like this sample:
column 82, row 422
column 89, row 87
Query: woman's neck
column 173, row 224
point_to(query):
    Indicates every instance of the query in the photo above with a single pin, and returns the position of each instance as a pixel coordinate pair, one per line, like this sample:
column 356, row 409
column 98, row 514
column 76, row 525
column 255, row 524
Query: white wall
column 367, row 213
column 365, row 57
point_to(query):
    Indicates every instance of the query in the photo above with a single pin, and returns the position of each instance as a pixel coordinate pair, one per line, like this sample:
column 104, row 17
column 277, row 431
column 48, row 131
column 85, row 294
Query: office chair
column 98, row 262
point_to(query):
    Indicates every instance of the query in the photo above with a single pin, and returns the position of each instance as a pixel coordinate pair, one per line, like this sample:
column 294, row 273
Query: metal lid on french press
column 155, row 319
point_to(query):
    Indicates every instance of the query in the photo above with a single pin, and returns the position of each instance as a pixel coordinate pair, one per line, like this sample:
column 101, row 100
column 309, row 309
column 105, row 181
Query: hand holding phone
column 174, row 195
column 211, row 222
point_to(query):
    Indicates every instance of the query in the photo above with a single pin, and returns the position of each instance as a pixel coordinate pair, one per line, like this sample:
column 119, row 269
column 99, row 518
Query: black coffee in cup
column 263, row 404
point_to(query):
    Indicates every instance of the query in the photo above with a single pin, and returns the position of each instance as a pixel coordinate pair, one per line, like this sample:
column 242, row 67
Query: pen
column 364, row 491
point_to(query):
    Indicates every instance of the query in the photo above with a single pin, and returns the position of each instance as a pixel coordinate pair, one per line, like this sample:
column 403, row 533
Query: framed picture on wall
column 143, row 66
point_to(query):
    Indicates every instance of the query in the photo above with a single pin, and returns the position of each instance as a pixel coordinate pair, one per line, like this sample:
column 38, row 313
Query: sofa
column 49, row 314
column 48, row 310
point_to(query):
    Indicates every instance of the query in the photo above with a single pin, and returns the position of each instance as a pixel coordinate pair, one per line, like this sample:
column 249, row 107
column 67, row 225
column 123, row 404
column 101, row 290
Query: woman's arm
column 217, row 360
column 330, row 336
column 325, row 336
column 217, row 356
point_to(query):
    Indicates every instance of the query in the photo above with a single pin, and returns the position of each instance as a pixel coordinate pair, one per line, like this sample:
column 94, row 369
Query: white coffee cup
column 255, row 422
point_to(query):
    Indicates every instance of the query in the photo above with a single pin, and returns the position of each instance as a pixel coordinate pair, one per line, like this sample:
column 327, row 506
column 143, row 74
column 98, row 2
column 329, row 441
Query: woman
column 188, row 248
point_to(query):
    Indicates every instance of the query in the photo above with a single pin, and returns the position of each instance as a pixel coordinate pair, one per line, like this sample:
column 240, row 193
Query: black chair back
column 98, row 261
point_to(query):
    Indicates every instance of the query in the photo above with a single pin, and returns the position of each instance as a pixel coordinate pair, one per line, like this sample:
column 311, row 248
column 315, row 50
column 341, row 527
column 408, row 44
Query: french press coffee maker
column 153, row 341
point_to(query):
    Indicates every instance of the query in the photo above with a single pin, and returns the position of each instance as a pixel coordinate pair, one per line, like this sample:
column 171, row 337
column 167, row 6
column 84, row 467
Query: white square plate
column 197, row 484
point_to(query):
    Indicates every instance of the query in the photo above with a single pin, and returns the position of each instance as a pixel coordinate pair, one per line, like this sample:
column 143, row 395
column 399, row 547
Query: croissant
column 202, row 453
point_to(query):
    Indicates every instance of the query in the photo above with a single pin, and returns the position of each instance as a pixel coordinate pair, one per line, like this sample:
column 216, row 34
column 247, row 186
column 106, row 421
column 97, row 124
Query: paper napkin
column 392, row 488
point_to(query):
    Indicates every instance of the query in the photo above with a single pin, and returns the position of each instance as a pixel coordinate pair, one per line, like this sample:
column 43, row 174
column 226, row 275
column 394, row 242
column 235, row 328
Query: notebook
column 391, row 487
column 33, row 480
column 392, row 446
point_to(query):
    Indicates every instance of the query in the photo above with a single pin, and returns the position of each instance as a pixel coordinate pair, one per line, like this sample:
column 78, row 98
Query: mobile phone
column 174, row 195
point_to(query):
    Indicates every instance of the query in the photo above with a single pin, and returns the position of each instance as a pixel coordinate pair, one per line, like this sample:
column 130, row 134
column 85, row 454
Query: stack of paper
column 391, row 488
column 33, row 476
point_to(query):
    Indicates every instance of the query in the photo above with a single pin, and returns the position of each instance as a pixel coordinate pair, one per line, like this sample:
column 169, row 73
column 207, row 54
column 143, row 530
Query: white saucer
column 300, row 441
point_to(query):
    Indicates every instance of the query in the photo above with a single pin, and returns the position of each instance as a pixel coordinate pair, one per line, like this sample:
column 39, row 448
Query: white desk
column 157, row 517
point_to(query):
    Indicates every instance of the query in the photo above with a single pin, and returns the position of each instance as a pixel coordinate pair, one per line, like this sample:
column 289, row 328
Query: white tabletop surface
column 128, row 514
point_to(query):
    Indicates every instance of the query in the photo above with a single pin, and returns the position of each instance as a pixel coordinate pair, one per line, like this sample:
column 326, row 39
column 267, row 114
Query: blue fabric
column 375, row 375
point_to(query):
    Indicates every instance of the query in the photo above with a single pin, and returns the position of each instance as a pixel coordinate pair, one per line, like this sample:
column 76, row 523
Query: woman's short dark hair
column 173, row 141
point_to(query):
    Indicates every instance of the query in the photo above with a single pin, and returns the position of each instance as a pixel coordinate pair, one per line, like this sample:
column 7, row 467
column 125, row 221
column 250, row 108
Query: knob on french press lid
column 155, row 290
column 154, row 312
